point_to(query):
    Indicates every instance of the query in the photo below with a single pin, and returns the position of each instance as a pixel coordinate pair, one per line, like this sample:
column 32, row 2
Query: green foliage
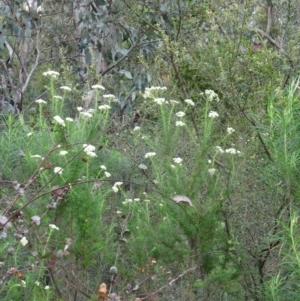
column 189, row 190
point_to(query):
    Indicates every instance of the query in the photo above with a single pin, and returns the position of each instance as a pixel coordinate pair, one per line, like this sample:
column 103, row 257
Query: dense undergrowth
column 153, row 209
column 153, row 159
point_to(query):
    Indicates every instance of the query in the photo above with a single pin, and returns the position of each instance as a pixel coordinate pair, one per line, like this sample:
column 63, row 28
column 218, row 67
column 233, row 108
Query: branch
column 169, row 283
column 258, row 134
column 126, row 55
column 269, row 23
column 35, row 64
column 10, row 51
column 267, row 36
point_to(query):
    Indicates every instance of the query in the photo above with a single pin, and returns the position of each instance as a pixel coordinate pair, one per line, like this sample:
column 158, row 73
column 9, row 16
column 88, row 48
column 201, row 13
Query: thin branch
column 267, row 36
column 170, row 283
column 269, row 23
column 180, row 20
column 126, row 55
column 258, row 134
column 35, row 64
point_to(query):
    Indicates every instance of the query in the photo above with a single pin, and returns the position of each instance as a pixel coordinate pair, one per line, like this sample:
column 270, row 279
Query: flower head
column 219, row 150
column 66, row 88
column 180, row 114
column 63, row 153
column 210, row 94
column 232, row 151
column 58, row 170
column 115, row 187
column 69, row 119
column 177, row 160
column 86, row 114
column 110, row 97
column 36, row 219
column 211, row 171
column 54, row 227
column 24, row 241
column 213, row 114
column 104, row 107
column 89, row 148
column 189, row 102
column 149, row 91
column 179, row 123
column 107, row 174
column 159, row 101
column 35, row 156
column 51, row 73
column 100, row 87
column 59, row 120
column 41, row 101
column 91, row 154
column 103, row 167
column 230, row 130
column 57, row 97
column 151, row 154
column 79, row 109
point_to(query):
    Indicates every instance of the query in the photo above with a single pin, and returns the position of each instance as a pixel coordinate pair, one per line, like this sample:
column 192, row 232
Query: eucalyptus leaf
column 100, row 2
column 126, row 73
column 88, row 57
column 2, row 40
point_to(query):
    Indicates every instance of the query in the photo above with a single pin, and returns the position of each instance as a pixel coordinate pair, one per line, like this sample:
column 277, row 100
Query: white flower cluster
column 219, row 150
column 41, row 101
column 58, row 170
column 213, row 114
column 210, row 94
column 89, row 149
column 63, row 153
column 104, row 107
column 66, row 88
column 151, row 154
column 53, row 227
column 211, row 171
column 24, row 241
column 180, row 114
column 160, row 100
column 149, row 91
column 189, row 102
column 51, row 73
column 179, row 123
column 57, row 119
column 127, row 201
column 115, row 187
column 86, row 114
column 230, row 130
column 177, row 160
column 231, row 150
column 100, row 87
column 110, row 97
